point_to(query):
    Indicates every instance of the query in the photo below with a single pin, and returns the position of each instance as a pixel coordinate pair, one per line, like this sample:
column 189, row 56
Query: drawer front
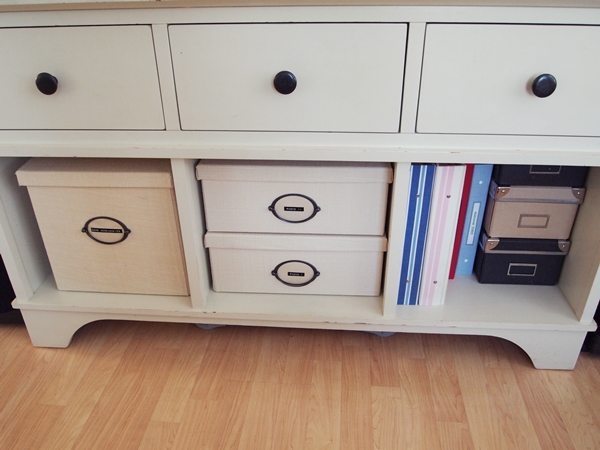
column 348, row 77
column 102, row 78
column 483, row 79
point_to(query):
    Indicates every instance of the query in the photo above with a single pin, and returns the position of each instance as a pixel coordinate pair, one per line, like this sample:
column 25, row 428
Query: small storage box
column 531, row 212
column 296, row 264
column 520, row 175
column 520, row 261
column 108, row 225
column 295, row 197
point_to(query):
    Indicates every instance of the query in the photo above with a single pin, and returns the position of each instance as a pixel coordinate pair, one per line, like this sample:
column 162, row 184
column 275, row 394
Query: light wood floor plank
column 299, row 358
column 259, row 428
column 80, row 405
column 482, row 418
column 454, row 436
column 292, row 416
column 159, row 436
column 511, row 413
column 128, row 385
column 445, row 388
column 123, row 413
column 325, row 406
column 182, row 376
column 273, row 356
column 574, row 410
column 418, row 410
column 74, row 367
column 328, row 345
column 550, row 428
column 356, row 425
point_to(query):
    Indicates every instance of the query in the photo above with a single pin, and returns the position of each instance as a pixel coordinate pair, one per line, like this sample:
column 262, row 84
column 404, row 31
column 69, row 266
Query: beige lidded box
column 108, row 225
column 295, row 196
column 534, row 212
column 296, row 264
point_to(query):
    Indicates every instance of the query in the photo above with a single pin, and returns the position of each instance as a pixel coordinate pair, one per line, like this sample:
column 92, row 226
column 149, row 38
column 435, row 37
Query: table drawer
column 484, row 79
column 289, row 77
column 93, row 78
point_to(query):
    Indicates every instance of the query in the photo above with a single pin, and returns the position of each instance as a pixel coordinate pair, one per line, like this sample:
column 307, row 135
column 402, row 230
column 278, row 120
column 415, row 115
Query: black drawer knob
column 285, row 82
column 46, row 83
column 544, row 85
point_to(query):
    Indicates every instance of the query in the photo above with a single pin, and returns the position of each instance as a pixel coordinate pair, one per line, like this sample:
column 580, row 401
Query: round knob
column 285, row 82
column 46, row 83
column 544, row 85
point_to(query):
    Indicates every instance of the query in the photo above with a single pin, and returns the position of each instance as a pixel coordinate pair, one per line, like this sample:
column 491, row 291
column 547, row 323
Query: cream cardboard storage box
column 296, row 264
column 531, row 212
column 108, row 225
column 295, row 197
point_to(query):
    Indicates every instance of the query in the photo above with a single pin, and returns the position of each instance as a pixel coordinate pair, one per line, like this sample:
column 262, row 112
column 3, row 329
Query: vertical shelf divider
column 396, row 229
column 189, row 204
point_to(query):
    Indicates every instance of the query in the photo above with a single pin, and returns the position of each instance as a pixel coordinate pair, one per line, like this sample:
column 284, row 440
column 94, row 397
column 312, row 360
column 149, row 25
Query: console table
column 377, row 81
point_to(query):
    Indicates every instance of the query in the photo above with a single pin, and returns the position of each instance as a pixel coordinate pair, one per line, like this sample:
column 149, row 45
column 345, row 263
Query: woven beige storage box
column 295, row 197
column 296, row 264
column 108, row 225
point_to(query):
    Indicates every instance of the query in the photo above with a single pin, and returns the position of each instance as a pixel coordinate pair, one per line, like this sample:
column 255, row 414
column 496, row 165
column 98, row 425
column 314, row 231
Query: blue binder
column 417, row 217
column 482, row 174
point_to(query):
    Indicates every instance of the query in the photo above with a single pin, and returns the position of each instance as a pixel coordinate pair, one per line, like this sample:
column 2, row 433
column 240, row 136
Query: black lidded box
column 540, row 175
column 520, row 261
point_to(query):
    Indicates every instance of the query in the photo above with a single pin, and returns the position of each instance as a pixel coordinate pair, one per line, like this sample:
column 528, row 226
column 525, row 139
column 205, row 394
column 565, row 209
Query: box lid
column 520, row 246
column 537, row 194
column 298, row 242
column 295, row 171
column 96, row 172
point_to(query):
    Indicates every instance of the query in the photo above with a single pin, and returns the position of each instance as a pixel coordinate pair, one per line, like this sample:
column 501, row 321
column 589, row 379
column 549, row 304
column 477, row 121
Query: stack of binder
column 436, row 194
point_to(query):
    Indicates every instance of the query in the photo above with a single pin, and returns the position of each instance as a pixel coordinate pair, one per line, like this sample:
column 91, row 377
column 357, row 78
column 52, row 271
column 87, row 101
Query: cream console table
column 382, row 81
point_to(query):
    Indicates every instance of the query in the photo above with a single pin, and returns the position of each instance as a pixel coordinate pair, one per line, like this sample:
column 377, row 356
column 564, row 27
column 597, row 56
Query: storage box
column 522, row 175
column 531, row 212
column 108, row 225
column 296, row 264
column 295, row 197
column 520, row 261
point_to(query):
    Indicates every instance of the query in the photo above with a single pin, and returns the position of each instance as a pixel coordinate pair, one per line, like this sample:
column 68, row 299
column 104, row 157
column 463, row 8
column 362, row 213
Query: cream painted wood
column 106, row 79
column 548, row 322
column 160, row 35
column 477, row 79
column 191, row 220
column 349, row 76
column 412, row 77
column 399, row 192
column 579, row 276
column 21, row 244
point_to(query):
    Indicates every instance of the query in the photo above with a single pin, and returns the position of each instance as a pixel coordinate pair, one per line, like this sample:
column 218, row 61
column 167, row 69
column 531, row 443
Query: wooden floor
column 129, row 385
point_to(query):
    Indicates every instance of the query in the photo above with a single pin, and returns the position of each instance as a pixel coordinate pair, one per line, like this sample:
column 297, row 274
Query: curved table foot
column 55, row 328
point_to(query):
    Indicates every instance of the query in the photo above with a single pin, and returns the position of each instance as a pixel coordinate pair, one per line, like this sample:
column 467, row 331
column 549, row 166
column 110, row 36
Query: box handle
column 106, row 230
column 295, row 273
column 294, row 208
